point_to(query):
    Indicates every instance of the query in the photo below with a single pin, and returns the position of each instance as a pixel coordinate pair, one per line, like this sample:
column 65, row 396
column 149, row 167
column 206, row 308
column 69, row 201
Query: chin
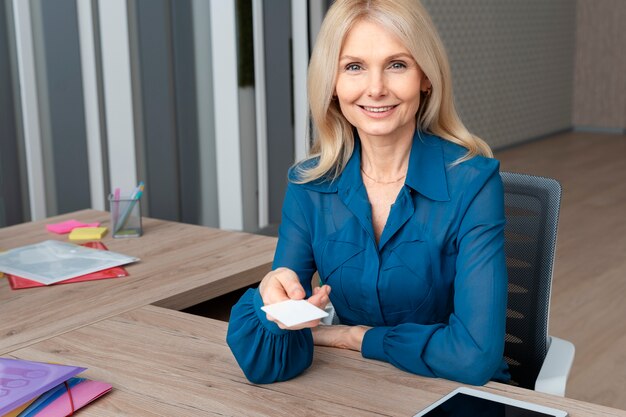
column 380, row 132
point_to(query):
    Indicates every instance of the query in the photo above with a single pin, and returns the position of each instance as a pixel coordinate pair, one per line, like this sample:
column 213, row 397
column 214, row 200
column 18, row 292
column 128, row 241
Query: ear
column 426, row 85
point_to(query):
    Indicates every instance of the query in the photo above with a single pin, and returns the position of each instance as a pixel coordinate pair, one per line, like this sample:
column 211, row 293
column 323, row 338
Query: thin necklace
column 382, row 182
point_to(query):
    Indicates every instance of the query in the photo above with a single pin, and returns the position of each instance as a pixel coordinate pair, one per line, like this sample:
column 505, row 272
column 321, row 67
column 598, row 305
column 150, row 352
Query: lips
column 377, row 109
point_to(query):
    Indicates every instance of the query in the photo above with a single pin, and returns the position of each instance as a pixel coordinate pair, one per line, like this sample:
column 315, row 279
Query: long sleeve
column 469, row 347
column 265, row 352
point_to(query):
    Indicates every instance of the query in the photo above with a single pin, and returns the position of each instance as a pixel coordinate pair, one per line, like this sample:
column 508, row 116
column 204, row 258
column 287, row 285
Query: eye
column 353, row 67
column 398, row 65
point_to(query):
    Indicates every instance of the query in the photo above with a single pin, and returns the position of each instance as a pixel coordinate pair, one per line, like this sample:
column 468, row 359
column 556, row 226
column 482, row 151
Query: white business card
column 294, row 312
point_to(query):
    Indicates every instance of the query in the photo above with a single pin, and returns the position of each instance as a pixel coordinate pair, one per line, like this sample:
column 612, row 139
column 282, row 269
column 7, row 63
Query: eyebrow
column 389, row 58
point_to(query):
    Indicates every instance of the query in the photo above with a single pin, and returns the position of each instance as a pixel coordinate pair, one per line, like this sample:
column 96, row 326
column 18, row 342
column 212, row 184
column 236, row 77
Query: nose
column 376, row 84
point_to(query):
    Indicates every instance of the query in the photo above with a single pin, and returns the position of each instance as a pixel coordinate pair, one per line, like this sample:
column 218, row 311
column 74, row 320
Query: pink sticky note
column 68, row 226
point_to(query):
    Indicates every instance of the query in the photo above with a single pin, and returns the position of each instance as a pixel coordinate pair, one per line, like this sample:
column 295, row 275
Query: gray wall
column 600, row 76
column 512, row 64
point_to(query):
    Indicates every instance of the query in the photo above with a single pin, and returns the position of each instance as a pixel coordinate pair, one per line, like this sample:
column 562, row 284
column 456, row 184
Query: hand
column 283, row 284
column 343, row 337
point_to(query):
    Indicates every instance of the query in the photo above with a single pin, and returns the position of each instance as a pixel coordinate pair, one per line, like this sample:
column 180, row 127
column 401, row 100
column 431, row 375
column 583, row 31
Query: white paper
column 53, row 261
column 294, row 312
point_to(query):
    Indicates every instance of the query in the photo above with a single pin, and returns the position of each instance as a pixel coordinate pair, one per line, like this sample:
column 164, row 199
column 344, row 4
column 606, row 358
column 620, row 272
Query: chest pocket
column 407, row 281
column 342, row 268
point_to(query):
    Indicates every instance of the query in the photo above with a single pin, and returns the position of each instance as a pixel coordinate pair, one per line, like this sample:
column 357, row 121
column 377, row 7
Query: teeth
column 378, row 109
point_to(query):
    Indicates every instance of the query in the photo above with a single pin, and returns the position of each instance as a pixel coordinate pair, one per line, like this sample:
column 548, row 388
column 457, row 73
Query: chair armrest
column 552, row 377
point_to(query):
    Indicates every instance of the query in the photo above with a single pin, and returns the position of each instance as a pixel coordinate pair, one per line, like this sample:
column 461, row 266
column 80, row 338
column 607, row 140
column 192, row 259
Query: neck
column 385, row 161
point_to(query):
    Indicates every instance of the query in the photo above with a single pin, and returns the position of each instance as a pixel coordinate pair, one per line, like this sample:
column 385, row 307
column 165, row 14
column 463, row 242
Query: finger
column 292, row 286
column 275, row 286
column 321, row 298
column 273, row 292
column 321, row 291
column 325, row 287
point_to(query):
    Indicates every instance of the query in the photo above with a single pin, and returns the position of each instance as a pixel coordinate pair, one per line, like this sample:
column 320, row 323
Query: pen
column 138, row 191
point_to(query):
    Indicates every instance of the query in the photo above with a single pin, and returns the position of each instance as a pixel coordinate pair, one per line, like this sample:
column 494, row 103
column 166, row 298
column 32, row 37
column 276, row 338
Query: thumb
column 293, row 288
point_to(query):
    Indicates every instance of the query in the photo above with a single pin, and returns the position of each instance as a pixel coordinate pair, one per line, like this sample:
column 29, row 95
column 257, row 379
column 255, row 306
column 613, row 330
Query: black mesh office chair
column 536, row 360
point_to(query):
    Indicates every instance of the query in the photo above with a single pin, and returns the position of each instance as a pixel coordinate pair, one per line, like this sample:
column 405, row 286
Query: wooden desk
column 181, row 265
column 168, row 363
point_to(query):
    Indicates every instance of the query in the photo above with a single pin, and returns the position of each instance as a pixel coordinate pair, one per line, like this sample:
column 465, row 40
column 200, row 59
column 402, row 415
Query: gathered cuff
column 269, row 325
column 372, row 346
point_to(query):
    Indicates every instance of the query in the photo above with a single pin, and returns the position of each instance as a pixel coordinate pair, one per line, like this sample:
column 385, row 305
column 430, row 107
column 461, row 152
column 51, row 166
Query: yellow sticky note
column 87, row 233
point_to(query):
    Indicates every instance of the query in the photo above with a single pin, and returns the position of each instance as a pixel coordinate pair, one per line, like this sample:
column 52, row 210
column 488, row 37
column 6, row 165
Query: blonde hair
column 333, row 138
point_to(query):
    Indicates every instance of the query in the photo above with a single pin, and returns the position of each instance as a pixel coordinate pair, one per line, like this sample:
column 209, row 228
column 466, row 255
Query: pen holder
column 125, row 217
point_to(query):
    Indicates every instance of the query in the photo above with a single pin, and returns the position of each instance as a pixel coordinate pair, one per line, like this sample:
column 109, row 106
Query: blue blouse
column 433, row 289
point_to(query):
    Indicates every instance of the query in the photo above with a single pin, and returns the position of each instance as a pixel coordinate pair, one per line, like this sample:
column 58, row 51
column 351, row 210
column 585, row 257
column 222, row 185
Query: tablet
column 467, row 402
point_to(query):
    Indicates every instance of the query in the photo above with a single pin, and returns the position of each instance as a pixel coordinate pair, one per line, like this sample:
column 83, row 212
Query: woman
column 399, row 209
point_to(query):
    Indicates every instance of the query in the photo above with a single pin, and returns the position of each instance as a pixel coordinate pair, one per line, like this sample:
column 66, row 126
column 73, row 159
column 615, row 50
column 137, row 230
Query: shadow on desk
column 218, row 308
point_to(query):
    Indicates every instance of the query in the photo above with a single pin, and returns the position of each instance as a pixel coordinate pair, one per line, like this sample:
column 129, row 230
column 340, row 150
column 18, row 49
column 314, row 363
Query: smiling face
column 378, row 83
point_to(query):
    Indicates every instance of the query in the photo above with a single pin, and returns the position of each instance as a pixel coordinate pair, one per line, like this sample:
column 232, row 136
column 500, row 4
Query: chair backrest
column 532, row 212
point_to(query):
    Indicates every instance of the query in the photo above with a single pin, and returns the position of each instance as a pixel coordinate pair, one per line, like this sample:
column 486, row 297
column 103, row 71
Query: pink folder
column 82, row 394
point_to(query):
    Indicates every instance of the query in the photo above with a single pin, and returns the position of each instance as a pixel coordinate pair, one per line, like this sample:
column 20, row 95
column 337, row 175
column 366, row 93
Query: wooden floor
column 589, row 290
